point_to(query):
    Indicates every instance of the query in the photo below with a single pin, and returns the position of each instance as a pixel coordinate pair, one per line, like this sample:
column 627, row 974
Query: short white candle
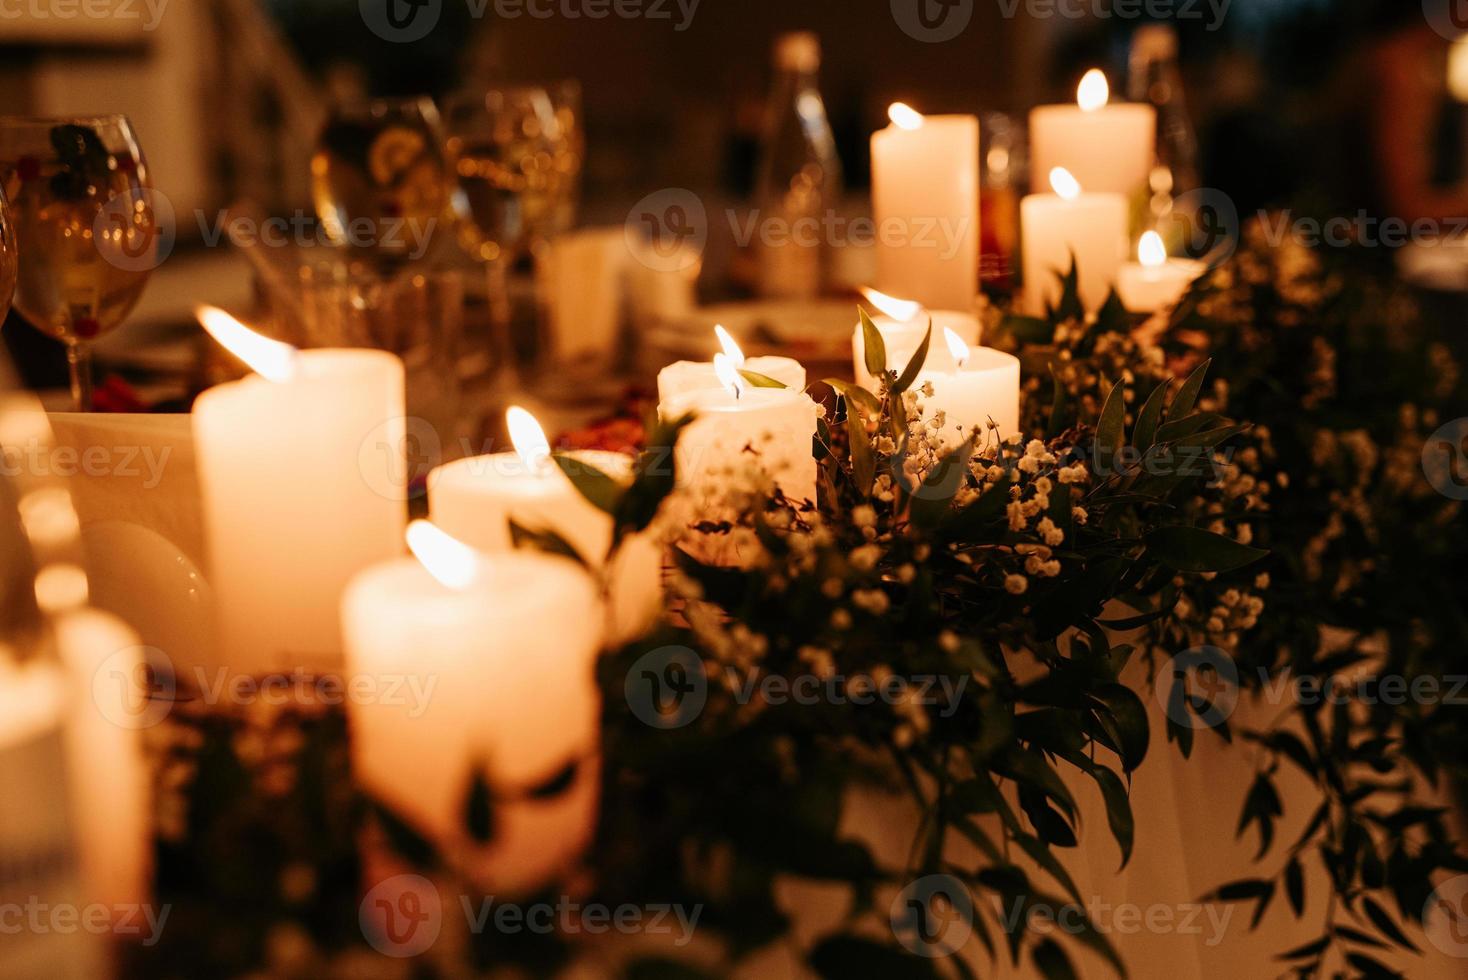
column 903, row 324
column 477, row 498
column 1155, row 283
column 291, row 509
column 1107, row 147
column 1071, row 223
column 738, row 428
column 505, row 646
column 925, row 198
column 682, row 377
column 978, row 390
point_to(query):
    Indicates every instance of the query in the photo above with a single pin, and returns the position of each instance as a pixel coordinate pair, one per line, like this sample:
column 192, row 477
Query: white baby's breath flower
column 1016, row 584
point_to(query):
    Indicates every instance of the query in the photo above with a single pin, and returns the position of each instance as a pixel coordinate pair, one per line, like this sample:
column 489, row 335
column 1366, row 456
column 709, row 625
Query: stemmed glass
column 380, row 178
column 7, row 257
column 84, row 227
column 507, row 147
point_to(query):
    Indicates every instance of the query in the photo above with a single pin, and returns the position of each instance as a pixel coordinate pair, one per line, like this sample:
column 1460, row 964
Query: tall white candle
column 477, row 498
column 739, row 429
column 1108, row 147
column 1091, row 228
column 977, row 392
column 1155, row 283
column 505, row 648
column 682, row 377
column 291, row 462
column 903, row 325
column 925, row 196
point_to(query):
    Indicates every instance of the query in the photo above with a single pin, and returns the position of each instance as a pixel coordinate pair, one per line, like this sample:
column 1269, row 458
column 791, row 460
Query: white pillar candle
column 1109, row 148
column 1155, row 283
column 291, row 471
column 925, row 197
column 476, row 499
column 682, row 377
column 505, row 647
column 903, row 324
column 738, row 428
column 979, row 388
column 1069, row 223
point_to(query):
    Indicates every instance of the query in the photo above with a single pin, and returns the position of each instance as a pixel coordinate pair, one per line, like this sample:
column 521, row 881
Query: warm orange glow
column 898, row 309
column 61, row 586
column 728, row 375
column 1064, row 184
column 956, row 346
column 450, row 561
column 1094, row 91
column 271, row 359
column 904, row 116
column 528, row 437
column 1151, row 252
column 731, row 347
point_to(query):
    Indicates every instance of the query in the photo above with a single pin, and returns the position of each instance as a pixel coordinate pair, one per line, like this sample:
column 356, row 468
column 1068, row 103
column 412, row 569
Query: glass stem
column 79, row 363
column 500, row 325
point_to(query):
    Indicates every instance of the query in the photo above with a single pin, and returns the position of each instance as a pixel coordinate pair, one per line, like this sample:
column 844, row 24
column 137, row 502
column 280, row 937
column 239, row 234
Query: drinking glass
column 380, row 179
column 7, row 257
column 84, row 226
column 570, row 153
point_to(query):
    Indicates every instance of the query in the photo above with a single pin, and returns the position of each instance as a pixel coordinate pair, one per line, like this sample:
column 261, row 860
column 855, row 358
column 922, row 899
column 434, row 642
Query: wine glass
column 570, row 153
column 7, row 257
column 380, row 179
column 503, row 144
column 85, row 230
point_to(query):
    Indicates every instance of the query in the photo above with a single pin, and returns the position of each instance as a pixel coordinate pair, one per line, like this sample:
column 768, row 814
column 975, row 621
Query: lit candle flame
column 731, row 348
column 898, row 309
column 904, row 116
column 1151, row 252
column 1065, row 184
column 728, row 375
column 529, row 439
column 956, row 345
column 1094, row 91
column 271, row 359
column 452, row 562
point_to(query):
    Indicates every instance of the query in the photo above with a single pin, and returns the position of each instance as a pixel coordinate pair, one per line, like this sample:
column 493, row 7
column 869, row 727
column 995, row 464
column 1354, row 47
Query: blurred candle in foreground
column 903, row 324
column 980, row 388
column 494, row 656
column 925, row 198
column 1109, row 147
column 475, row 500
column 1071, row 223
column 1155, row 283
column 682, row 377
column 302, row 472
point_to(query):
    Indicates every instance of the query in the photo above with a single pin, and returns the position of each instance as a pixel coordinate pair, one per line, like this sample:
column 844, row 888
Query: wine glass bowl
column 379, row 178
column 85, row 232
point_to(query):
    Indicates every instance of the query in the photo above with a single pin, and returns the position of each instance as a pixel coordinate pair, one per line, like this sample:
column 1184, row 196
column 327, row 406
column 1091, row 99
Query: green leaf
column 915, row 363
column 863, row 461
column 547, row 541
column 873, row 347
column 857, row 394
column 1295, row 886
column 1244, row 890
column 761, row 380
column 969, row 522
column 1070, row 306
column 1187, row 395
column 654, row 477
column 404, row 840
column 1385, row 923
column 1059, row 406
column 1111, row 428
column 1192, row 549
column 1129, row 720
column 1113, row 317
column 934, row 499
column 1052, row 961
column 1118, row 809
column 1028, row 330
column 1144, row 434
column 599, row 489
column 1032, row 768
column 479, row 808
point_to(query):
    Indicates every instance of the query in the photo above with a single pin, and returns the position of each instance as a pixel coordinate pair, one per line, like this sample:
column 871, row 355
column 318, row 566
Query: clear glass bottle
column 1155, row 78
column 798, row 182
